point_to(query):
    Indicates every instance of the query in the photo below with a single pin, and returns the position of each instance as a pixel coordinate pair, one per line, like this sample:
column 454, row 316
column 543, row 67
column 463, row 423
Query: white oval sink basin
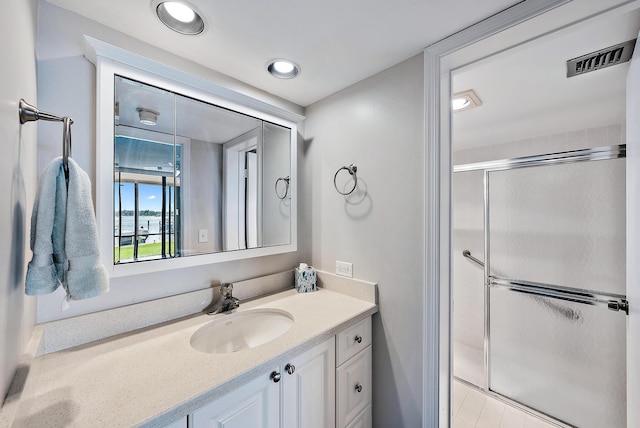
column 241, row 330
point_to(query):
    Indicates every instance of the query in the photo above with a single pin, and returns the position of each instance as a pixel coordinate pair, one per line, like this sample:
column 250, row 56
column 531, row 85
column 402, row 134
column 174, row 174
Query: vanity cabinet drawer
column 353, row 340
column 354, row 387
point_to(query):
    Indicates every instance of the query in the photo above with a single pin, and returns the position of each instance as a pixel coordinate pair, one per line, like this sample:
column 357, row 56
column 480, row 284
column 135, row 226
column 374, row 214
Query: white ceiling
column 525, row 91
column 336, row 42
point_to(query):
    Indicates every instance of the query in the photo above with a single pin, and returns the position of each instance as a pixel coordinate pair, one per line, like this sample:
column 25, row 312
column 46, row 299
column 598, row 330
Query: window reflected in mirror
column 194, row 178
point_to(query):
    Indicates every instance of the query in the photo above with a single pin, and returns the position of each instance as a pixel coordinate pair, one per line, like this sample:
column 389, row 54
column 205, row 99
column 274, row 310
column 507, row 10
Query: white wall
column 17, row 181
column 377, row 124
column 66, row 86
column 205, row 210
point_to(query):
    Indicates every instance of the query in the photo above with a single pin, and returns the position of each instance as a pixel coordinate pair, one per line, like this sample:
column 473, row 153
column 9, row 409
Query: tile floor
column 473, row 409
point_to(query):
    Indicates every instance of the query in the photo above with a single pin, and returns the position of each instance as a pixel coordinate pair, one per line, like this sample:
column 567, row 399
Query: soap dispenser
column 305, row 278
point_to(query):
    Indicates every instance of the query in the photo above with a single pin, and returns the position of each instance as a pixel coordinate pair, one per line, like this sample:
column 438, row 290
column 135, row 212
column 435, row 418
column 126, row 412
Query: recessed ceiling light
column 147, row 116
column 465, row 100
column 179, row 11
column 180, row 16
column 460, row 103
column 283, row 68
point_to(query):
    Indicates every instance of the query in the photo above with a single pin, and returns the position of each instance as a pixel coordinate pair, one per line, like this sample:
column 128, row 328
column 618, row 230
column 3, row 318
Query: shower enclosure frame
column 493, row 35
column 614, row 302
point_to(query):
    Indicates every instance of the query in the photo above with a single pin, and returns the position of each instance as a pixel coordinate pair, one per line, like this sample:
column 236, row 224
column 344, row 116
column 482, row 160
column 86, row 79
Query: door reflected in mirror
column 194, row 178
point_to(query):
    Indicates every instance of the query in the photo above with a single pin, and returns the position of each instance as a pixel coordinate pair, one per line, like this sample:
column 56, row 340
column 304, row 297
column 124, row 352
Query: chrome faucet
column 226, row 302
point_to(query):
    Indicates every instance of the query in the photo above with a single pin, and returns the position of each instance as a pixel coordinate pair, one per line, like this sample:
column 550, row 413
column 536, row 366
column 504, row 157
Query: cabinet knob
column 358, row 338
column 290, row 368
column 275, row 376
column 358, row 387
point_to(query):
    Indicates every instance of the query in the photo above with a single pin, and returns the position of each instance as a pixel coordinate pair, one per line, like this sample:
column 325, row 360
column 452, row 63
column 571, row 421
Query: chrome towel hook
column 286, row 187
column 352, row 170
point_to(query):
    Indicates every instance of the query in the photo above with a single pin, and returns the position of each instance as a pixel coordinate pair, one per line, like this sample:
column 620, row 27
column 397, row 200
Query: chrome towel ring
column 286, row 187
column 351, row 169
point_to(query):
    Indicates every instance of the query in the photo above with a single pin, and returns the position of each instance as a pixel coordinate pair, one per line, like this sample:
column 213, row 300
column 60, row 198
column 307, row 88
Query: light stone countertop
column 152, row 377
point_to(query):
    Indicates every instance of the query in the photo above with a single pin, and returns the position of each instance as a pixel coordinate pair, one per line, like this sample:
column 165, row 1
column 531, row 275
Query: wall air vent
column 601, row 59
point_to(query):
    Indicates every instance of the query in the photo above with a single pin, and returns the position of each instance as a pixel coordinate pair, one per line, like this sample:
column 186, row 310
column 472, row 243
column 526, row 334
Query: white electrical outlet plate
column 344, row 269
column 203, row 236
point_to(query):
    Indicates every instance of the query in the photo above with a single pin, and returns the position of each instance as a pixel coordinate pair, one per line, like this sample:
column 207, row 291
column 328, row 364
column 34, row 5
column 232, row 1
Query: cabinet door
column 363, row 420
column 308, row 393
column 255, row 404
column 354, row 386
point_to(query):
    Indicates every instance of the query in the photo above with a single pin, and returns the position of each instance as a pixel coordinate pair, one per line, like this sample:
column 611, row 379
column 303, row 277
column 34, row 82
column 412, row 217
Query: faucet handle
column 226, row 289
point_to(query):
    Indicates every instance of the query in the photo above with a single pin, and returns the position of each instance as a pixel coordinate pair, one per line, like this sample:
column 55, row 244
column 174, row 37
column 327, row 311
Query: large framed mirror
column 186, row 177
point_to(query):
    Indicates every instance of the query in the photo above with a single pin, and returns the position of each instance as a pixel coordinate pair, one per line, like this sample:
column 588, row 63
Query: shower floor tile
column 474, row 409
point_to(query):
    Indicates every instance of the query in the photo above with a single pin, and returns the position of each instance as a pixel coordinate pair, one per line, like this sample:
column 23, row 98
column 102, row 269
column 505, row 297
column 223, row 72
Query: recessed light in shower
column 283, row 68
column 465, row 100
column 147, row 116
column 180, row 16
column 459, row 103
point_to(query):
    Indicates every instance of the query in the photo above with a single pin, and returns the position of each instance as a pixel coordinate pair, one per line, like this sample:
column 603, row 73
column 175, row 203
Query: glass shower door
column 564, row 359
column 556, row 241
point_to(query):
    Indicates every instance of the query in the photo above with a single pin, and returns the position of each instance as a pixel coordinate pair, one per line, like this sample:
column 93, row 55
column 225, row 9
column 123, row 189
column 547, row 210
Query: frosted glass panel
column 569, row 212
column 564, row 359
column 467, row 277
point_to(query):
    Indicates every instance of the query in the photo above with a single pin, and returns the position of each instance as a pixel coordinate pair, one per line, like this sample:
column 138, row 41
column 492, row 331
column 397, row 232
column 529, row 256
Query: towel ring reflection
column 286, row 187
column 351, row 169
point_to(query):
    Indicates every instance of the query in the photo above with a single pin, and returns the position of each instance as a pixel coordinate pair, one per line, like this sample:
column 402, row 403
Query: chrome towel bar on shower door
column 613, row 302
column 592, row 154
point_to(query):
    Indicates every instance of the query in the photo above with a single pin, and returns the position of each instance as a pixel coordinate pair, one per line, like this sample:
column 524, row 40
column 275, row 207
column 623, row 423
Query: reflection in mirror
column 240, row 190
column 194, row 178
column 275, row 191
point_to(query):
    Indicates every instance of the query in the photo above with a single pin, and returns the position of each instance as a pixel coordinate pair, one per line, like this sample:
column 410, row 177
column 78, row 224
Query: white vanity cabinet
column 308, row 388
column 327, row 386
column 254, row 404
column 354, row 376
column 298, row 393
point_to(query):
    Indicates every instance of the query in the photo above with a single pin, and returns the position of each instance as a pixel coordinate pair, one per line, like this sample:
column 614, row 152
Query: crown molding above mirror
column 114, row 63
column 95, row 49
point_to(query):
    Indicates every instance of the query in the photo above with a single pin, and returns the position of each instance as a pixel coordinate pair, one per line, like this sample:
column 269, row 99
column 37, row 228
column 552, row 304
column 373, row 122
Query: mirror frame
column 111, row 61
